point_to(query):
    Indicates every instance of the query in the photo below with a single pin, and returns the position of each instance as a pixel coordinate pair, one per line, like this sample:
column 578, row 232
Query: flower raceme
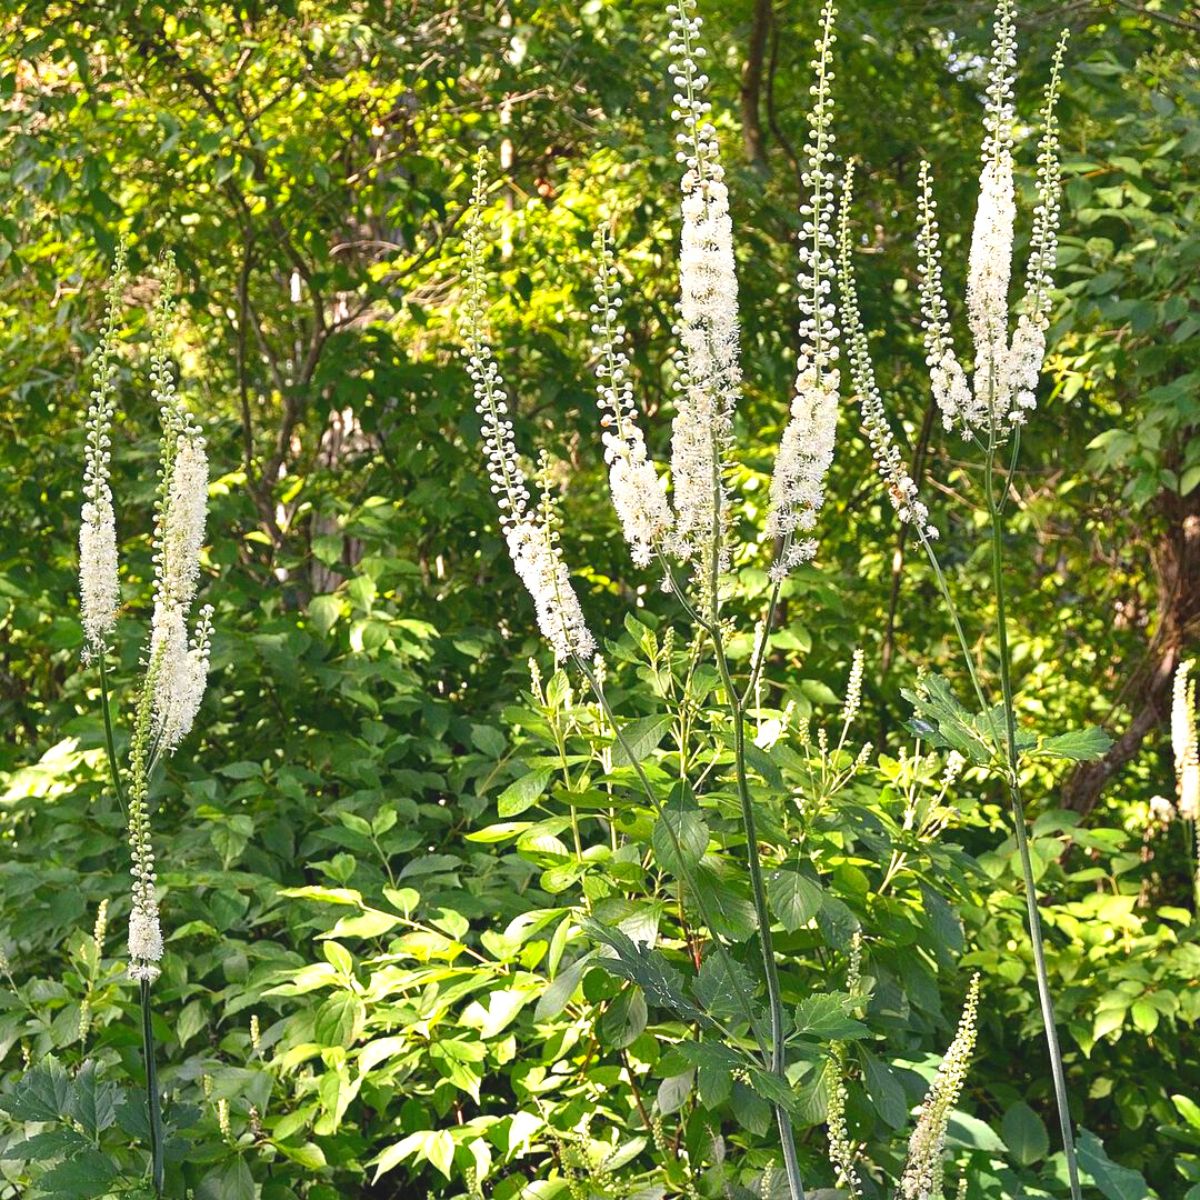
column 637, row 494
column 530, row 533
column 1004, row 385
column 806, row 448
column 1185, row 741
column 99, row 584
column 925, row 1165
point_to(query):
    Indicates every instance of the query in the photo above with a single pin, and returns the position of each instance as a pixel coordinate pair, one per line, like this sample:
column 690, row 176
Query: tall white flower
column 989, row 269
column 1185, row 741
column 925, row 1167
column 530, row 533
column 637, row 493
column 1028, row 348
column 951, row 390
column 709, row 376
column 806, row 449
column 180, row 517
column 145, row 932
column 902, row 488
column 99, row 586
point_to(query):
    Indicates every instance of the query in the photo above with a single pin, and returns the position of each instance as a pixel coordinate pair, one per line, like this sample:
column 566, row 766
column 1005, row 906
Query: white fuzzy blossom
column 924, row 1168
column 989, row 269
column 951, row 390
column 806, row 449
column 99, row 586
column 1004, row 387
column 530, row 533
column 709, row 374
column 145, row 931
column 843, row 1151
column 1027, row 352
column 637, row 493
column 901, row 486
column 1185, row 741
column 180, row 667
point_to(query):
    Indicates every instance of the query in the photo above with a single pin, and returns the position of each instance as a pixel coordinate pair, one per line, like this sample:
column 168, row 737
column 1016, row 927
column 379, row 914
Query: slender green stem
column 1018, row 811
column 775, row 1061
column 109, row 740
column 153, row 1100
column 688, row 879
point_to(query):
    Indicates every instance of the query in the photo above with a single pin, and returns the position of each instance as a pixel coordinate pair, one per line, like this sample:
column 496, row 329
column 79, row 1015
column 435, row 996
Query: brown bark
column 752, row 82
column 1176, row 563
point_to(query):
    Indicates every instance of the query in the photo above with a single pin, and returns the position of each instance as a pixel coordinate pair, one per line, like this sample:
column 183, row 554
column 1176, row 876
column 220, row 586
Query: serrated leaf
column 794, row 898
column 43, row 1094
column 724, row 988
column 93, row 1101
column 642, row 737
column 680, row 838
column 1076, row 745
column 662, row 984
column 624, row 1021
column 824, row 1016
column 231, row 1181
column 86, row 1175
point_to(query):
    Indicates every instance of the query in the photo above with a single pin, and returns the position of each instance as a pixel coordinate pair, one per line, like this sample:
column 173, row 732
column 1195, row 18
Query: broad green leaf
column 1025, row 1134
column 339, row 1020
column 523, row 792
column 1115, row 1182
column 885, row 1091
column 43, row 1094
column 680, row 839
column 1077, row 745
column 93, row 1101
column 642, row 737
column 794, row 898
column 824, row 1016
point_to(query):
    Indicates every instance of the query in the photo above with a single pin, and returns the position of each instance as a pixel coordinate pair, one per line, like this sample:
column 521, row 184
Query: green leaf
column 86, row 1175
column 624, row 1021
column 43, row 1094
column 557, row 996
column 1024, row 1134
column 523, row 792
column 439, row 1149
column 339, row 1020
column 662, row 984
column 673, row 1091
column 724, row 988
column 642, row 737
column 794, row 898
column 885, row 1091
column 1077, row 745
column 1114, row 1181
column 824, row 1016
column 93, row 1101
column 232, row 1181
column 680, row 838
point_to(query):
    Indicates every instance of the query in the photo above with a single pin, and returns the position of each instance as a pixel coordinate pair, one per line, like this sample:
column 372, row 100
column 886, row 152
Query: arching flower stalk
column 709, row 373
column 99, row 586
column 901, row 487
column 175, row 665
column 637, row 493
column 530, row 532
column 924, row 1170
column 806, row 449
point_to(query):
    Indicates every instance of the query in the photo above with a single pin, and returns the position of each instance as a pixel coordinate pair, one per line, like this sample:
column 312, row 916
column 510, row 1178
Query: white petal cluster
column 637, row 493
column 99, row 587
column 530, row 533
column 925, row 1167
column 1185, row 741
column 843, row 1151
column 1004, row 388
column 798, row 482
column 806, row 449
column 145, row 931
column 951, row 390
column 902, row 488
column 709, row 375
column 179, row 666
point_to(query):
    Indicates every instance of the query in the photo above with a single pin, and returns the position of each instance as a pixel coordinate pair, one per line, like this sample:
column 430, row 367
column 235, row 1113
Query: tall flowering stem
column 176, row 663
column 1005, row 379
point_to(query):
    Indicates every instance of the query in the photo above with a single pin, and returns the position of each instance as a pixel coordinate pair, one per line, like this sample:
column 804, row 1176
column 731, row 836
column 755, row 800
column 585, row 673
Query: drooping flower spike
column 530, row 532
column 637, row 493
column 1185, row 741
column 902, row 489
column 99, row 585
column 806, row 449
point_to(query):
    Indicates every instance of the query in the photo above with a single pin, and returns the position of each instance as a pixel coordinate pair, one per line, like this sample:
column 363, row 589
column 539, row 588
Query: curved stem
column 153, row 1100
column 109, row 740
column 1018, row 810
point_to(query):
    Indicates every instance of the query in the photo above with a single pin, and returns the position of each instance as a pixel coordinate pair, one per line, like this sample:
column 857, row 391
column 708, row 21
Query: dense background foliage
column 370, row 846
